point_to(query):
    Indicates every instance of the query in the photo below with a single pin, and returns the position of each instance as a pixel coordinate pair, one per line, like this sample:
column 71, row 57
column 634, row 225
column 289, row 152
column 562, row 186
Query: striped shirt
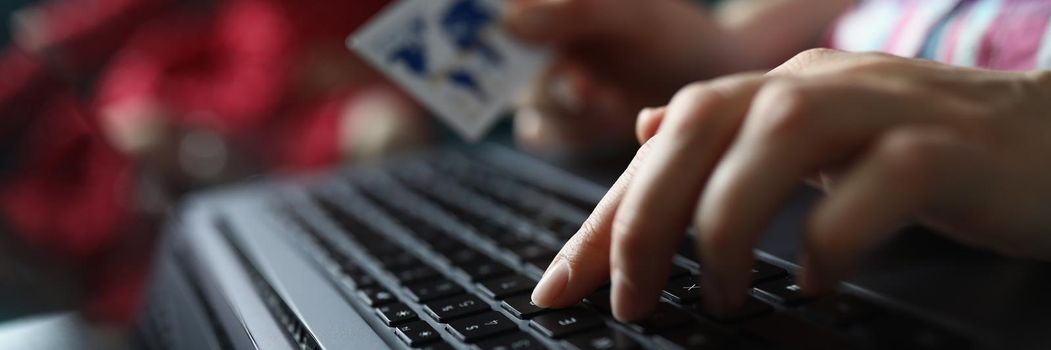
column 994, row 34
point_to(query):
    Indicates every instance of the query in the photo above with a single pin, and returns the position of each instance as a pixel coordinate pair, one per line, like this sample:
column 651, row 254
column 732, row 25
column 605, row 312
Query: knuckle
column 815, row 54
column 808, row 57
column 908, row 154
column 693, row 89
column 581, row 244
column 869, row 63
column 693, row 93
column 783, row 109
column 695, row 104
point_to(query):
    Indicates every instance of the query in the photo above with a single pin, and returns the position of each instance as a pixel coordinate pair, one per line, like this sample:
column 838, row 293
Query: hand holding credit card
column 453, row 56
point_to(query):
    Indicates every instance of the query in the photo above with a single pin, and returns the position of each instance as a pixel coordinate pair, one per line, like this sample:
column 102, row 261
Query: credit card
column 453, row 56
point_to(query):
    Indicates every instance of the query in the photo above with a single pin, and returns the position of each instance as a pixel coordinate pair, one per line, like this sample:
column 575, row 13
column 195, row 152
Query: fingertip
column 721, row 297
column 831, row 250
column 550, row 290
column 727, row 270
column 724, row 284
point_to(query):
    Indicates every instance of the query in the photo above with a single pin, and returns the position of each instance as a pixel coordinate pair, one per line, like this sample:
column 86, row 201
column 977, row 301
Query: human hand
column 613, row 57
column 891, row 140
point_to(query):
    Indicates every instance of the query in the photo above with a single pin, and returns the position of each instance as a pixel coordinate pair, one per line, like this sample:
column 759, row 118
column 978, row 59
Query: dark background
column 6, row 8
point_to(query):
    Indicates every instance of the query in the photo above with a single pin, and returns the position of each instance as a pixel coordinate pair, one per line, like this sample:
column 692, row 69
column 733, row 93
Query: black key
column 688, row 250
column 600, row 300
column 488, row 228
column 448, row 246
column 483, row 269
column 480, row 326
column 379, row 246
column 764, row 272
column 696, row 336
column 522, row 306
column 786, row 331
column 395, row 314
column 563, row 229
column 782, row 290
column 361, row 279
column 395, row 261
column 423, row 230
column 540, row 263
column 678, row 271
column 426, row 291
column 683, row 290
column 462, row 256
column 752, row 308
column 530, row 251
column 451, row 308
column 664, row 316
column 415, row 274
column 841, row 310
column 513, row 341
column 417, row 333
column 503, row 287
column 510, row 240
column 893, row 331
column 560, row 323
column 375, row 296
column 605, row 339
column 456, row 252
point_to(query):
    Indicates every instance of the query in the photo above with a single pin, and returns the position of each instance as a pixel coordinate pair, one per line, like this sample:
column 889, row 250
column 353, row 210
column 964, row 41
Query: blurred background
column 113, row 110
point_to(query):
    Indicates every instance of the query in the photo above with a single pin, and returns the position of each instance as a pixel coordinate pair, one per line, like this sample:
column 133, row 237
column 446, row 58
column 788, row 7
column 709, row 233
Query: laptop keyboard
column 450, row 247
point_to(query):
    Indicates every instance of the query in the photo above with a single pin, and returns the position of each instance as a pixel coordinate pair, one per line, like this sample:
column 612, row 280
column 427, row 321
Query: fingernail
column 552, row 284
column 625, row 299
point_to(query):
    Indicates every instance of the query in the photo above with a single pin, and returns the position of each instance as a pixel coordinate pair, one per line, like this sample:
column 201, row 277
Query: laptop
column 440, row 250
